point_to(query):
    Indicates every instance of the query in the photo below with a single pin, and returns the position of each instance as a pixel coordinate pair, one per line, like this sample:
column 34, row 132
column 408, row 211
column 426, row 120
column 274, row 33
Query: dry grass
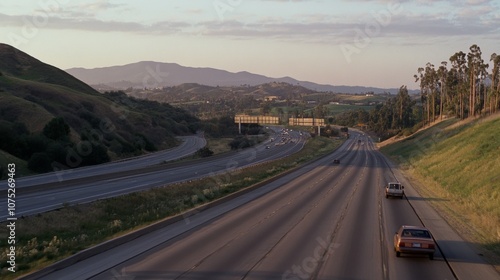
column 460, row 165
column 34, row 116
column 466, row 216
column 219, row 146
column 45, row 238
column 21, row 165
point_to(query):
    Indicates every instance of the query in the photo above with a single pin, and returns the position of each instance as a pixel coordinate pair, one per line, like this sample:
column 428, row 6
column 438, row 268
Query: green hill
column 459, row 164
column 33, row 93
column 18, row 64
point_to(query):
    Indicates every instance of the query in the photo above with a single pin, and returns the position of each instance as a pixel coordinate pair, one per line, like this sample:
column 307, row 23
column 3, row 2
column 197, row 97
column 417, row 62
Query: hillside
column 192, row 92
column 152, row 74
column 33, row 93
column 16, row 63
column 456, row 165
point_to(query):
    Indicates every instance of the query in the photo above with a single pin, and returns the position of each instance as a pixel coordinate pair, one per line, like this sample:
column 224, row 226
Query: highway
column 323, row 221
column 121, row 179
column 189, row 145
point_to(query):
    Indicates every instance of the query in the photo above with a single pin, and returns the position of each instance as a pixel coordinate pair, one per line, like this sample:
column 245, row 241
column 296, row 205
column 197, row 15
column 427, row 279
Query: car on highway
column 336, row 161
column 414, row 240
column 394, row 189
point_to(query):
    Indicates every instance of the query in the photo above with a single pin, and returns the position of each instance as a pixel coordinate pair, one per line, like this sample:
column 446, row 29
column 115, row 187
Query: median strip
column 91, row 224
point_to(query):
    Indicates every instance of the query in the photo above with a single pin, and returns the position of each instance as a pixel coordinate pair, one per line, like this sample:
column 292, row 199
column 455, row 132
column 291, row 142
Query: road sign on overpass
column 306, row 122
column 256, row 119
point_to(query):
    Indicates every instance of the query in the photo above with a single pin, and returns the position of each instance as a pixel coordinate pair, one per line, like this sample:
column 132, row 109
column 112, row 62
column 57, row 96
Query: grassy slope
column 34, row 116
column 16, row 63
column 460, row 166
column 35, row 103
column 33, row 92
column 6, row 159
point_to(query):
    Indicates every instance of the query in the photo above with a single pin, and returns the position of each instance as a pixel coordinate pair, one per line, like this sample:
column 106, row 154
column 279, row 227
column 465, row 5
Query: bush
column 98, row 155
column 204, row 152
column 36, row 143
column 57, row 129
column 143, row 143
column 40, row 162
column 241, row 143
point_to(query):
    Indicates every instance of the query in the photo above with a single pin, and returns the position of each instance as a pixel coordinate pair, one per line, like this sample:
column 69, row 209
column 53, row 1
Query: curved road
column 92, row 187
column 323, row 221
column 189, row 145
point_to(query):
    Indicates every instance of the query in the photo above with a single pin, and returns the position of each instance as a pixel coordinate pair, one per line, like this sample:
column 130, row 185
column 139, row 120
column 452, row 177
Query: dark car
column 336, row 161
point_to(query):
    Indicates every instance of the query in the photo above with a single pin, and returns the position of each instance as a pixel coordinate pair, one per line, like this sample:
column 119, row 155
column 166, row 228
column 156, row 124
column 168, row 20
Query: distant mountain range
column 149, row 74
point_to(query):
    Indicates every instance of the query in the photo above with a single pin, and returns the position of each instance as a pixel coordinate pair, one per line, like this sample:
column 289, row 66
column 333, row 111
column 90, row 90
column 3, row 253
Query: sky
column 378, row 43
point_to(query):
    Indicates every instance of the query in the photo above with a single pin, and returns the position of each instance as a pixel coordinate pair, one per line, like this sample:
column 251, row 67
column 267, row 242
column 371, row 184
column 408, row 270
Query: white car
column 394, row 189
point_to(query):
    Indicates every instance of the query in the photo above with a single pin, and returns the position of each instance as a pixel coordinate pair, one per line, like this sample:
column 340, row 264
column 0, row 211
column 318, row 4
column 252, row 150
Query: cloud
column 405, row 27
column 96, row 25
column 81, row 10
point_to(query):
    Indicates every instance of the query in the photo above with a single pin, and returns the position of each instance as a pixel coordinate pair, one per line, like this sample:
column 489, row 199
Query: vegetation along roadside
column 45, row 241
column 456, row 167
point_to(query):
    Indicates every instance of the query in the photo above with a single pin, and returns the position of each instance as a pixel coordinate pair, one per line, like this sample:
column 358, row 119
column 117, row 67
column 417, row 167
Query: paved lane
column 324, row 221
column 87, row 189
column 189, row 145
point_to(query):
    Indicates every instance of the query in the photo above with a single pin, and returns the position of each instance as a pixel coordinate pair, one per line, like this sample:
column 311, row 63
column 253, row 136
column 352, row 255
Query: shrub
column 98, row 155
column 204, row 152
column 241, row 143
column 40, row 162
column 57, row 129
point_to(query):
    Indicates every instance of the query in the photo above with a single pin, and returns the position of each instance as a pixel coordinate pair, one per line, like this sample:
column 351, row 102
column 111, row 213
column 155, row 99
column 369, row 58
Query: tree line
column 41, row 150
column 465, row 89
column 399, row 114
column 461, row 88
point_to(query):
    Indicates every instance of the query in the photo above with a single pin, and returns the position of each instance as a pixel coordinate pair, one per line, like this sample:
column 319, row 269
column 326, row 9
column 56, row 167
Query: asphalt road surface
column 124, row 180
column 189, row 145
column 324, row 221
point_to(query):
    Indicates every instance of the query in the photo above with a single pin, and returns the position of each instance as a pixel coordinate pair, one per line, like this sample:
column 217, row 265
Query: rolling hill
column 152, row 74
column 195, row 92
column 33, row 93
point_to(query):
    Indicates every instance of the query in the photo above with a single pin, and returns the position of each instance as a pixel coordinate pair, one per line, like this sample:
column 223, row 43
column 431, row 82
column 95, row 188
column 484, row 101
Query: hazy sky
column 358, row 42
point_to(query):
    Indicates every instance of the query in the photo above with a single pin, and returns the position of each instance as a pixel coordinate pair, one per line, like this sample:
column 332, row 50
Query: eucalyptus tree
column 477, row 74
column 385, row 120
column 428, row 78
column 404, row 108
column 495, row 83
column 452, row 89
column 459, row 69
column 265, row 108
column 442, row 73
column 483, row 74
column 419, row 77
column 320, row 111
column 431, row 80
column 280, row 112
